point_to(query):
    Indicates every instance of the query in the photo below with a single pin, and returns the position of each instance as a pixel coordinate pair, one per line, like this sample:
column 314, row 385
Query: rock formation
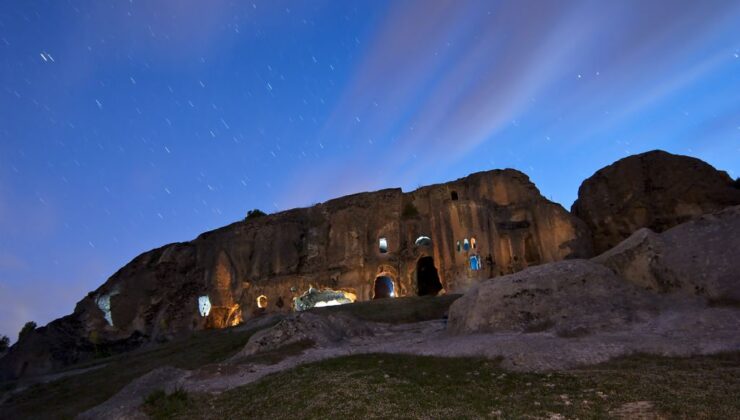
column 572, row 298
column 692, row 264
column 440, row 238
column 437, row 239
column 657, row 190
column 699, row 257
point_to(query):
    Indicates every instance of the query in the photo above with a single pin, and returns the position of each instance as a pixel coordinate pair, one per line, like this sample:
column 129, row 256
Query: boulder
column 700, row 257
column 571, row 298
column 656, row 190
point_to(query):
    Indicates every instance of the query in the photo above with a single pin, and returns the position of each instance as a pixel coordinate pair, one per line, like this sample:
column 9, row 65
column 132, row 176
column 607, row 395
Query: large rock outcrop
column 484, row 225
column 690, row 265
column 700, row 257
column 572, row 298
column 656, row 190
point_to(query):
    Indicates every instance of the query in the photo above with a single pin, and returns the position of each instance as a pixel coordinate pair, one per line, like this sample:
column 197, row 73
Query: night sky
column 126, row 125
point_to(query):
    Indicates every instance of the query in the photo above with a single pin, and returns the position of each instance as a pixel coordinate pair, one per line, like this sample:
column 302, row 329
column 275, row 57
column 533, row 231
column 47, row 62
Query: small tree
column 4, row 343
column 253, row 214
column 27, row 328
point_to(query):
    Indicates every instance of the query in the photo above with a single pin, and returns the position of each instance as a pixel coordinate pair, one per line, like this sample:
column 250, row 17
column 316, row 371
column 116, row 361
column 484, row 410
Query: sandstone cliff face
column 657, row 190
column 498, row 217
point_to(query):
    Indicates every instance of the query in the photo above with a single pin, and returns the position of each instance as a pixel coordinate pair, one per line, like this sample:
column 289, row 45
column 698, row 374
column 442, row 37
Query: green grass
column 160, row 405
column 396, row 310
column 66, row 397
column 398, row 386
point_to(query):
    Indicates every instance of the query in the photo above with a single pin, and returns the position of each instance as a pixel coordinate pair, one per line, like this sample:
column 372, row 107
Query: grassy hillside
column 68, row 396
column 396, row 386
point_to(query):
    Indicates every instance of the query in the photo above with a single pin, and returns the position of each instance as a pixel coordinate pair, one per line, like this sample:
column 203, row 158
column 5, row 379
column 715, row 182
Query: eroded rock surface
column 700, row 257
column 684, row 268
column 571, row 298
column 498, row 217
column 656, row 190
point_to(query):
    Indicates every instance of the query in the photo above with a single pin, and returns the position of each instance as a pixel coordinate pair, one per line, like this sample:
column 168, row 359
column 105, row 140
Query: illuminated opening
column 383, row 288
column 383, row 245
column 459, row 246
column 475, row 262
column 103, row 302
column 204, row 305
column 453, row 195
column 262, row 301
column 423, row 241
column 314, row 298
column 427, row 279
column 235, row 316
column 472, row 243
column 466, row 244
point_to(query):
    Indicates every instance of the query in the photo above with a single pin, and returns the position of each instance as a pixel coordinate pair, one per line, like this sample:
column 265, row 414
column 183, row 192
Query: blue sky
column 125, row 125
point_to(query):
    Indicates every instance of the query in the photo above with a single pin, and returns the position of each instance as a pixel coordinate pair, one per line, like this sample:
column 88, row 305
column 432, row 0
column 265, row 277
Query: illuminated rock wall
column 333, row 245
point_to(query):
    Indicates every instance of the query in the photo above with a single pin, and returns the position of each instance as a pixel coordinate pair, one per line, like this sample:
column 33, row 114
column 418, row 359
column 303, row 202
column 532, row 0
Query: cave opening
column 427, row 278
column 318, row 298
column 383, row 287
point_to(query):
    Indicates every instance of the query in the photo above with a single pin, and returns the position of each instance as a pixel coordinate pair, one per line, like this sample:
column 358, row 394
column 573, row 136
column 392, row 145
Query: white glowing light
column 383, row 245
column 321, row 304
column 103, row 302
column 204, row 305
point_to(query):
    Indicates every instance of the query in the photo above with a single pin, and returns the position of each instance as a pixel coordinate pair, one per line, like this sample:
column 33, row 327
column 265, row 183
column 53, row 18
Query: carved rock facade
column 484, row 225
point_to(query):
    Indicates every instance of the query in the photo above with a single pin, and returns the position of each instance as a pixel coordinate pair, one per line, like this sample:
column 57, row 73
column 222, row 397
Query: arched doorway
column 383, row 287
column 427, row 279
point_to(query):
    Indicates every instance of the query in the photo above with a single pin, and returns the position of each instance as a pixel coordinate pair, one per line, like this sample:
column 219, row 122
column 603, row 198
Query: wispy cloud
column 441, row 78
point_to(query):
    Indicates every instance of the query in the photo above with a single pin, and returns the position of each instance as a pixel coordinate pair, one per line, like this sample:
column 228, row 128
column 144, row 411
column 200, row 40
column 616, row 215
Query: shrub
column 27, row 328
column 160, row 405
column 253, row 214
column 4, row 343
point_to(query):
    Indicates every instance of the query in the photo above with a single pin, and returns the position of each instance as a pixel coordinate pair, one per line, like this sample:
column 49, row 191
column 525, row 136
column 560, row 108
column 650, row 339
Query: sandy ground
column 672, row 333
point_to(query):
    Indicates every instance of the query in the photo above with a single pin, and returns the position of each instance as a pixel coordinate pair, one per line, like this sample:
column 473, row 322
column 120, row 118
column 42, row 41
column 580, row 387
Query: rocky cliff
column 656, row 190
column 443, row 238
column 437, row 239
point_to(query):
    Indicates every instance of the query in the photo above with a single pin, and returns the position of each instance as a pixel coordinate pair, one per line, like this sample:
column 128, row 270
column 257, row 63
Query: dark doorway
column 453, row 195
column 427, row 279
column 383, row 287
